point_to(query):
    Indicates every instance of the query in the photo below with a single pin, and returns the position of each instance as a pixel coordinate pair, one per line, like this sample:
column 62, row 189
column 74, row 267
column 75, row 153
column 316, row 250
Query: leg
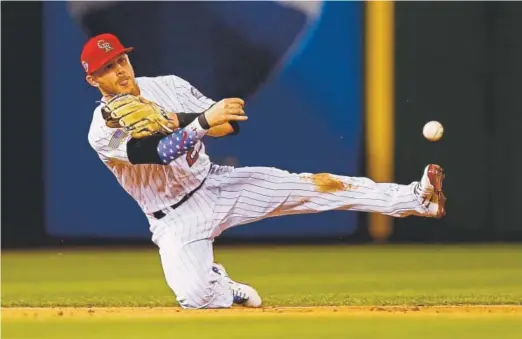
column 253, row 193
column 188, row 272
column 188, row 261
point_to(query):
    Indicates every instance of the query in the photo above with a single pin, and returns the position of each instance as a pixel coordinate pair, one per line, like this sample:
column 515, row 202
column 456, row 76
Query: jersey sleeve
column 191, row 98
column 109, row 143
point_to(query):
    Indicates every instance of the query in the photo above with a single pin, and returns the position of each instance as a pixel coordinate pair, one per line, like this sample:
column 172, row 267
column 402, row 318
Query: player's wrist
column 203, row 122
column 197, row 129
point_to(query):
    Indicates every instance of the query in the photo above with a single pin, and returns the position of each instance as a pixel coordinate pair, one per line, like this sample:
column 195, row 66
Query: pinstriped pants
column 236, row 196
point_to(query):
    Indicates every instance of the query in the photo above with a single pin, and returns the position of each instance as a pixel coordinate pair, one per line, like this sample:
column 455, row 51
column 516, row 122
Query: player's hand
column 220, row 130
column 231, row 109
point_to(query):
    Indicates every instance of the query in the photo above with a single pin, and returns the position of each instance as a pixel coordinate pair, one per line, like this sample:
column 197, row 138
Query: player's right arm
column 194, row 102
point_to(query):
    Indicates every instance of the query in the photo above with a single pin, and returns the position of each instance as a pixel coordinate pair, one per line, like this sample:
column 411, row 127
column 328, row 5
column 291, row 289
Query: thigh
column 249, row 194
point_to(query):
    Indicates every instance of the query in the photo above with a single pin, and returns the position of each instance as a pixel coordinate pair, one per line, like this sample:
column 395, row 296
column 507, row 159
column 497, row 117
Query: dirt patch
column 325, row 182
column 161, row 312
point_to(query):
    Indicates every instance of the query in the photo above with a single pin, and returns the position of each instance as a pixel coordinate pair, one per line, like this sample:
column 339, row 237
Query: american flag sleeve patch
column 117, row 137
column 180, row 142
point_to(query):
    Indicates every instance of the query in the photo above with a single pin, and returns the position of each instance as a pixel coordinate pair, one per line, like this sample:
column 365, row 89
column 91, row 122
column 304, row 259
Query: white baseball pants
column 237, row 196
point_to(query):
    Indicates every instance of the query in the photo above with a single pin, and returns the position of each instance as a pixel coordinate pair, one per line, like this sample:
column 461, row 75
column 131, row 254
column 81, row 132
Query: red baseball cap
column 101, row 49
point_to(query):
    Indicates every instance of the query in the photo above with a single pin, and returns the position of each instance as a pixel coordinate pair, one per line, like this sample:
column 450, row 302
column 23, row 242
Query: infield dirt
column 147, row 312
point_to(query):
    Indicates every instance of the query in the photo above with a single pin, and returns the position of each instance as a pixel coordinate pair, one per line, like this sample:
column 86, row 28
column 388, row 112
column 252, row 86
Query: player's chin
column 125, row 89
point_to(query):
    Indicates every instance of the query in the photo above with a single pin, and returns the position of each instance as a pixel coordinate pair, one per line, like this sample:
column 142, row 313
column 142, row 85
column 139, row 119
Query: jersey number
column 192, row 156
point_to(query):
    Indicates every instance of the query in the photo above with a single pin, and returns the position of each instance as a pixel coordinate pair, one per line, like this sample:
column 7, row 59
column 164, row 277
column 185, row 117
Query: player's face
column 115, row 77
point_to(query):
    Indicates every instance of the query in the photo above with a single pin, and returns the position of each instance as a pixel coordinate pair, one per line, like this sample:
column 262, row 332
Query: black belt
column 160, row 214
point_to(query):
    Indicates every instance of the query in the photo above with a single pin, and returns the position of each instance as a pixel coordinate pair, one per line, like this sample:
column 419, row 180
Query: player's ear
column 90, row 79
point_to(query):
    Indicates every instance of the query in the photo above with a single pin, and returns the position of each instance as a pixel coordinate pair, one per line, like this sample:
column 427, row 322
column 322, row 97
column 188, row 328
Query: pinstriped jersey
column 154, row 187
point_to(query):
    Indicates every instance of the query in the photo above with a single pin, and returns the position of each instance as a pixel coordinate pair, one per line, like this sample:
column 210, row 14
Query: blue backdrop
column 311, row 90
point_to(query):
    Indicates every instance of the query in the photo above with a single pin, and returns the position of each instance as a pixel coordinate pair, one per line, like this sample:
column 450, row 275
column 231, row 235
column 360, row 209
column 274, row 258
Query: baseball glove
column 138, row 116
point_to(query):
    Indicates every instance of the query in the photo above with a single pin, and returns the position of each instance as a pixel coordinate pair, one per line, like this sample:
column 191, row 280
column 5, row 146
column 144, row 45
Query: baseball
column 433, row 131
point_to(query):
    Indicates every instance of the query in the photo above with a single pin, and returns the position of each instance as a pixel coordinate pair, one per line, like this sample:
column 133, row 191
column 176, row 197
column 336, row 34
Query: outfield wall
column 454, row 62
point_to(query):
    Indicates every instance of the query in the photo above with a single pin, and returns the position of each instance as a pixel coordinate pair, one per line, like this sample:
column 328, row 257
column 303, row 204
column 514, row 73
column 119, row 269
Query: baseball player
column 149, row 133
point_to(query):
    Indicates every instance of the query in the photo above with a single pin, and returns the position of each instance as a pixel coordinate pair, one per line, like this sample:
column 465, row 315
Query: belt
column 160, row 214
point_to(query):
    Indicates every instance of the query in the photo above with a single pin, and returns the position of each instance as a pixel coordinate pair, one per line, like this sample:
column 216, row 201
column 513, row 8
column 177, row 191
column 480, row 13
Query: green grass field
column 335, row 276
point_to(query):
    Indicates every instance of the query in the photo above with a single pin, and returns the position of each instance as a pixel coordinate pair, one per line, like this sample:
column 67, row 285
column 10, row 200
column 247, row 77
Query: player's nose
column 120, row 69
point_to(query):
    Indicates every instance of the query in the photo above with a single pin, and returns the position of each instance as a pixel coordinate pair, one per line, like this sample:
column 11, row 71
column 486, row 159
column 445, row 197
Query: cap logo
column 102, row 44
column 85, row 66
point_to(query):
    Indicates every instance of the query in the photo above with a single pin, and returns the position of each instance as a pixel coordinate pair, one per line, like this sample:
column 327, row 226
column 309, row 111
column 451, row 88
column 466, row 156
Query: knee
column 195, row 297
column 201, row 298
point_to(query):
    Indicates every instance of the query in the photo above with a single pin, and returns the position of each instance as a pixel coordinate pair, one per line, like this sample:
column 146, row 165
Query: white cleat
column 243, row 294
column 430, row 191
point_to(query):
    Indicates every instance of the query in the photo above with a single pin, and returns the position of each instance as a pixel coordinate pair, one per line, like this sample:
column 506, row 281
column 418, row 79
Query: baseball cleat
column 243, row 294
column 431, row 187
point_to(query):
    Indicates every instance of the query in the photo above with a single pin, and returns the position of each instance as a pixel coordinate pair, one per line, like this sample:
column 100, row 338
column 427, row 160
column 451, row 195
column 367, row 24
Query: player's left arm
column 163, row 149
column 195, row 102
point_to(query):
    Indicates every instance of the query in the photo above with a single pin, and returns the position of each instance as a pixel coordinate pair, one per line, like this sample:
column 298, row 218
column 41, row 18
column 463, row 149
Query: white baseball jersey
column 154, row 187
